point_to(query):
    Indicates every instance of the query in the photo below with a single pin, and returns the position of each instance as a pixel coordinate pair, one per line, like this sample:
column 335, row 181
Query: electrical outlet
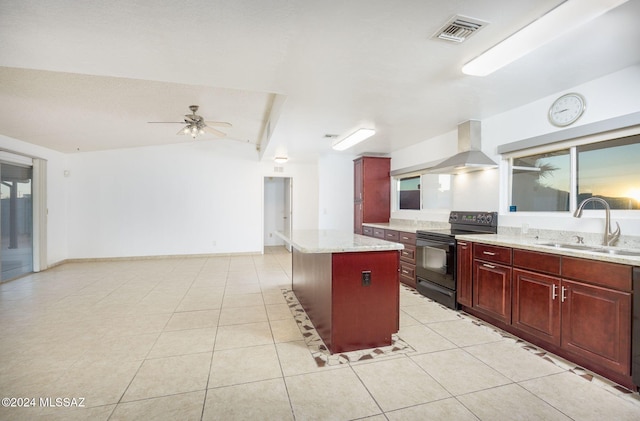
column 366, row 278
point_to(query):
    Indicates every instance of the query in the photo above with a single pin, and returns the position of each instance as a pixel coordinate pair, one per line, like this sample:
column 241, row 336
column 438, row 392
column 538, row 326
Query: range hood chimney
column 469, row 157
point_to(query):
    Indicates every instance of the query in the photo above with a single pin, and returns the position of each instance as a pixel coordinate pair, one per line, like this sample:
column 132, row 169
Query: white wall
column 192, row 198
column 607, row 97
column 274, row 210
column 335, row 176
column 57, row 222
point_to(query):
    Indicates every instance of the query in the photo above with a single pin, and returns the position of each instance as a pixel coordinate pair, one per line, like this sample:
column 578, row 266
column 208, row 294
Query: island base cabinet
column 365, row 315
column 596, row 324
column 536, row 305
column 352, row 299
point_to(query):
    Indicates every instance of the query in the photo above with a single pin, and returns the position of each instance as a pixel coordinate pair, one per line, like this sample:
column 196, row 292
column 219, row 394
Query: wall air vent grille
column 459, row 29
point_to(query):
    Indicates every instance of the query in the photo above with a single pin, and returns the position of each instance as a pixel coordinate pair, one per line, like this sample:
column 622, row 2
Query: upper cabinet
column 372, row 191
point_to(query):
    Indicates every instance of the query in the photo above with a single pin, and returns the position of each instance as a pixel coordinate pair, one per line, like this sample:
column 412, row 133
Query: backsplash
column 625, row 241
column 590, row 238
column 419, row 225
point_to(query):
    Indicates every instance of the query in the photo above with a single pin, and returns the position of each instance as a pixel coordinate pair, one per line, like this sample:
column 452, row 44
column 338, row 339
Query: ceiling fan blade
column 218, row 123
column 166, row 122
column 214, row 131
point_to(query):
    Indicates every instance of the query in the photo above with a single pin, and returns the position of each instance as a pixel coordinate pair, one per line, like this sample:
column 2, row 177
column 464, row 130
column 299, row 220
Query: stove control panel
column 489, row 219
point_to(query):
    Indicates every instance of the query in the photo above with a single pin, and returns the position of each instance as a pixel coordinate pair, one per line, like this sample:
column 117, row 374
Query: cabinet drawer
column 408, row 270
column 391, row 235
column 367, row 231
column 408, row 238
column 539, row 262
column 492, row 253
column 408, row 254
column 610, row 275
column 378, row 233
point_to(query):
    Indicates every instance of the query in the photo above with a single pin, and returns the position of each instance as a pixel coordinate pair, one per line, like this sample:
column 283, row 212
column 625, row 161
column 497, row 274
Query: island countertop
column 336, row 241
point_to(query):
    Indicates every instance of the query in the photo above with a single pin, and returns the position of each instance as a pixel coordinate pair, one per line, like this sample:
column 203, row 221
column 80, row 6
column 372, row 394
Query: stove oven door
column 436, row 261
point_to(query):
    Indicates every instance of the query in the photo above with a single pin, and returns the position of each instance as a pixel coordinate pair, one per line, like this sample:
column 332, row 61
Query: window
column 541, row 182
column 610, row 170
column 426, row 191
column 409, row 193
column 545, row 181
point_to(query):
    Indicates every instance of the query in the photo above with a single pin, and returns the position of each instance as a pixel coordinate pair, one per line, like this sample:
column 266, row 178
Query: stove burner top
column 466, row 223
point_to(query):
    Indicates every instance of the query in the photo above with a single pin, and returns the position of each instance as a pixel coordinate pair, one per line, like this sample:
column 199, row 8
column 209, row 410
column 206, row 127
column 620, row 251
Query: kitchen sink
column 594, row 249
column 570, row 246
column 618, row 252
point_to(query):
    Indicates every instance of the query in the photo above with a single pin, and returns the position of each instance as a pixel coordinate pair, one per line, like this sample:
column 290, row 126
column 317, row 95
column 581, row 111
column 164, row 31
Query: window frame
column 395, row 192
column 572, row 145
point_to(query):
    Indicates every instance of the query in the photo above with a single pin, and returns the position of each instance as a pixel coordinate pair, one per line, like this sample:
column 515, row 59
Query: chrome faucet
column 609, row 237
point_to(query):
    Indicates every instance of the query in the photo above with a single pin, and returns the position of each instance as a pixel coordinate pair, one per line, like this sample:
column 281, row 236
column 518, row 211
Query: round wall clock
column 567, row 109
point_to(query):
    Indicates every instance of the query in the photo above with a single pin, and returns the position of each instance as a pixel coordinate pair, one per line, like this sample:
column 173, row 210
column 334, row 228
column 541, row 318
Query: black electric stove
column 436, row 259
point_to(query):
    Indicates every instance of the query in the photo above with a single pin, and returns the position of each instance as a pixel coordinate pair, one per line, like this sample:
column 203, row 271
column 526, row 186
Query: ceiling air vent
column 459, row 29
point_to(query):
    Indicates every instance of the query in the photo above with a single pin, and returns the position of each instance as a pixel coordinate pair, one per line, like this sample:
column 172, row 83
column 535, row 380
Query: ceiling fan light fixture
column 353, row 139
column 564, row 18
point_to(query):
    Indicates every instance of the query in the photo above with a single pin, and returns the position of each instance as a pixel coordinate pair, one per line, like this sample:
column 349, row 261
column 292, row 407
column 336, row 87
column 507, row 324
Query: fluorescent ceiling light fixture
column 564, row 18
column 353, row 139
column 280, row 159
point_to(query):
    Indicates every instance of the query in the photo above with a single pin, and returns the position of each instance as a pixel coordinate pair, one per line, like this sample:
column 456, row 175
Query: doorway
column 277, row 210
column 16, row 221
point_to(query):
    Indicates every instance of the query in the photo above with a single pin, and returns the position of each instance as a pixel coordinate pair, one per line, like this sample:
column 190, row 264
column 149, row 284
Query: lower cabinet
column 407, row 255
column 536, row 305
column 577, row 308
column 492, row 290
column 587, row 320
column 464, row 273
column 596, row 324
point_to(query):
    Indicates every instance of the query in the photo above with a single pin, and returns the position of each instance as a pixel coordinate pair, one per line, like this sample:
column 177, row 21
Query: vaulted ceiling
column 87, row 76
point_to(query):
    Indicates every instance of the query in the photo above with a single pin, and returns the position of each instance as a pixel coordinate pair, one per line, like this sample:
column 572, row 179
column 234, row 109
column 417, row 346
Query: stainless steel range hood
column 469, row 157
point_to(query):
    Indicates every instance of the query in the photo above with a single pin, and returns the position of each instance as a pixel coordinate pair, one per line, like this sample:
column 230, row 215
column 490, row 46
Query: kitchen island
column 348, row 284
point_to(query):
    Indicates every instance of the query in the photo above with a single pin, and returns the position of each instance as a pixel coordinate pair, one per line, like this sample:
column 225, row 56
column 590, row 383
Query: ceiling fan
column 196, row 125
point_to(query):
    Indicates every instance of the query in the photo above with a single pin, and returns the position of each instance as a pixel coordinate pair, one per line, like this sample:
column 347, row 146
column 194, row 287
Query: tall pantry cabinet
column 372, row 191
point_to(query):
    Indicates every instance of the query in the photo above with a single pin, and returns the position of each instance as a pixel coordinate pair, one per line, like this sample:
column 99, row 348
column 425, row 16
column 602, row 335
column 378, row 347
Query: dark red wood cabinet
column 536, row 305
column 347, row 312
column 578, row 308
column 464, row 273
column 372, row 191
column 492, row 281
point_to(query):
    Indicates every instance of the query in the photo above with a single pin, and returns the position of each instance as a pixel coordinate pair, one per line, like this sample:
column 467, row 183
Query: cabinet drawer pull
column 460, row 243
column 489, row 253
column 563, row 297
column 554, row 292
column 389, row 235
column 405, row 271
column 488, row 266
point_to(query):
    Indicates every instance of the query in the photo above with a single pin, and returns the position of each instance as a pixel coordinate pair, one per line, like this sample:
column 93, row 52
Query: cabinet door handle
column 554, row 292
column 488, row 253
column 563, row 297
column 488, row 266
column 460, row 243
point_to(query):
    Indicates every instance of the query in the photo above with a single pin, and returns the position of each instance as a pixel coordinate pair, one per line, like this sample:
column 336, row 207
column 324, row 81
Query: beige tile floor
column 213, row 339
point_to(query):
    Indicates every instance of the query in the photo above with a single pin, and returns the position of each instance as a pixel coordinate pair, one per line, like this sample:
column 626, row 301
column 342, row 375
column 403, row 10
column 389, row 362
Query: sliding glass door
column 16, row 221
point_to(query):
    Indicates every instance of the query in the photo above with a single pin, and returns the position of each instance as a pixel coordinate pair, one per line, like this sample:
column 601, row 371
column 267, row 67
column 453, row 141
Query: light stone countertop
column 403, row 226
column 335, row 241
column 528, row 243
